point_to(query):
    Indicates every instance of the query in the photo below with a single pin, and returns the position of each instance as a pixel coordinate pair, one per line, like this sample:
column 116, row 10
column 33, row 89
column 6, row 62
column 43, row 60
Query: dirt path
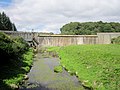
column 43, row 77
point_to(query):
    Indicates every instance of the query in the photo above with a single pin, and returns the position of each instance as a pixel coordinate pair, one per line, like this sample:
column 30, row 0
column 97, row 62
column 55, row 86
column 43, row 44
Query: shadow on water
column 33, row 86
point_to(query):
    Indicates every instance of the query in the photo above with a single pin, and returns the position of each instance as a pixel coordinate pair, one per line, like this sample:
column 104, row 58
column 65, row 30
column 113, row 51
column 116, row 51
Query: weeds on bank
column 96, row 66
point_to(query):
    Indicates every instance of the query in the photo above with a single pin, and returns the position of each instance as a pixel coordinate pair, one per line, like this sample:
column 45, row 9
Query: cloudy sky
column 51, row 15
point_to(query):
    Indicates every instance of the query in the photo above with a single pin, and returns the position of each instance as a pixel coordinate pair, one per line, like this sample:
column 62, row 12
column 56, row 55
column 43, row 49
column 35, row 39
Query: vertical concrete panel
column 79, row 40
column 100, row 38
column 63, row 40
column 105, row 38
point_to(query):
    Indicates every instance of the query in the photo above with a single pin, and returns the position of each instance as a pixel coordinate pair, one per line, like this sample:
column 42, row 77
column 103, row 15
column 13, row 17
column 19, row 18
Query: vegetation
column 116, row 40
column 58, row 69
column 16, row 60
column 89, row 28
column 96, row 66
column 6, row 24
column 11, row 48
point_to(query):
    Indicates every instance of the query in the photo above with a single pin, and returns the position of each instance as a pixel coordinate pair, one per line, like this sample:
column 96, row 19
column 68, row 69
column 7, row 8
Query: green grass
column 97, row 66
column 58, row 69
column 55, row 49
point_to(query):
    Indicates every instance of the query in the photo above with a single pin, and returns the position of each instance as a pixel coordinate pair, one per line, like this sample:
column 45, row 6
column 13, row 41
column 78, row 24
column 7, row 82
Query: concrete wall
column 105, row 38
column 28, row 36
column 64, row 40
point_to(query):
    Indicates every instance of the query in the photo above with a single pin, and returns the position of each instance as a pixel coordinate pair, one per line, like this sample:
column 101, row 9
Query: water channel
column 43, row 77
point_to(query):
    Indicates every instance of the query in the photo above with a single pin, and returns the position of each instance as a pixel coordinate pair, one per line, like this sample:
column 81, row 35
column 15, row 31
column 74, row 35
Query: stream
column 43, row 77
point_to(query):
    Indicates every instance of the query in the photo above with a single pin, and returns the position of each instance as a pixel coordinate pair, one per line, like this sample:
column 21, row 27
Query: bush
column 116, row 40
column 16, row 60
column 11, row 48
column 22, row 43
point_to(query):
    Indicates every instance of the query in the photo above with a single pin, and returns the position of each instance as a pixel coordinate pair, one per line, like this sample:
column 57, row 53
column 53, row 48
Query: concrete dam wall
column 28, row 36
column 105, row 38
column 64, row 40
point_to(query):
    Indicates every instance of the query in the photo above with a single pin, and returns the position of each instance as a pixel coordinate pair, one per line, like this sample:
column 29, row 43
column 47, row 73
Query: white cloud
column 51, row 15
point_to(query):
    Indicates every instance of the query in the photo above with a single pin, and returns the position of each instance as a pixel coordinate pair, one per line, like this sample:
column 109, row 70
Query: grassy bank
column 97, row 66
column 16, row 60
column 13, row 76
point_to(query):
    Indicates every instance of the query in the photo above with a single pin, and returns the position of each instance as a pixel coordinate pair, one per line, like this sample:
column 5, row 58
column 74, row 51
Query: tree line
column 89, row 28
column 6, row 24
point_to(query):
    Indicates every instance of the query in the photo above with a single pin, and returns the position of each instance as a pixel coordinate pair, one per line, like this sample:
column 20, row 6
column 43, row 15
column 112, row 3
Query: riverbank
column 96, row 66
column 13, row 76
column 16, row 60
column 43, row 77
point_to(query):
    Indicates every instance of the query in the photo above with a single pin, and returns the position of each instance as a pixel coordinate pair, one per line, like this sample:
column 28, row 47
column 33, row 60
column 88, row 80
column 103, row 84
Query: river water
column 43, row 77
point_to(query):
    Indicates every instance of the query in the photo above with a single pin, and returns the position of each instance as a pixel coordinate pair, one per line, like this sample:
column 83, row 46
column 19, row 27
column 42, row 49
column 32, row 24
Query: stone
column 14, row 86
column 26, row 77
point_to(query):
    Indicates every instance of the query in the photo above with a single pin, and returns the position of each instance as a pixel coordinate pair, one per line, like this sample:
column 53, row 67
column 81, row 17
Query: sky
column 5, row 3
column 51, row 15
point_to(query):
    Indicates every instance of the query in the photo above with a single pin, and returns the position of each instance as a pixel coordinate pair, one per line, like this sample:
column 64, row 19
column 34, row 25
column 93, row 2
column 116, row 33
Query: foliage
column 5, row 23
column 16, row 60
column 89, row 28
column 58, row 69
column 116, row 40
column 97, row 66
column 22, row 43
column 51, row 49
column 11, row 48
column 25, row 67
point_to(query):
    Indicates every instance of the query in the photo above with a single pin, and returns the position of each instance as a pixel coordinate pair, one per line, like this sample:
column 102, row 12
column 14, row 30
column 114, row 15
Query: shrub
column 16, row 60
column 116, row 40
column 22, row 43
column 11, row 48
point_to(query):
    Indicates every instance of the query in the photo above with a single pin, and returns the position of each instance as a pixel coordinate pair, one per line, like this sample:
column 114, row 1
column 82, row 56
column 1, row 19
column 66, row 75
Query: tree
column 5, row 23
column 71, row 28
column 14, row 27
column 107, row 28
column 1, row 23
column 89, row 28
